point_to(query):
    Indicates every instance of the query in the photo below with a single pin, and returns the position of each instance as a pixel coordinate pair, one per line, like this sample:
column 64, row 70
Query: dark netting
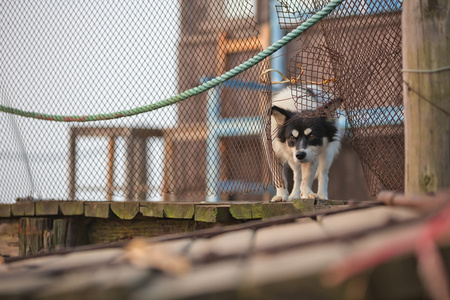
column 78, row 57
column 355, row 53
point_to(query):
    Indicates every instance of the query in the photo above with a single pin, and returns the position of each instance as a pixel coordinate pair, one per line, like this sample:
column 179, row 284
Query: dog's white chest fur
column 307, row 146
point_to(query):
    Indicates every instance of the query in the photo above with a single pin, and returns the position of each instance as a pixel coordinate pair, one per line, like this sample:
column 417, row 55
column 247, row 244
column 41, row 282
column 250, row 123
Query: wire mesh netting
column 76, row 58
column 355, row 53
column 80, row 58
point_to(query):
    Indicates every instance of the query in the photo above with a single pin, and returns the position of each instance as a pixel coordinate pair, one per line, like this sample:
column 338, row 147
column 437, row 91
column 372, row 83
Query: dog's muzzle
column 300, row 155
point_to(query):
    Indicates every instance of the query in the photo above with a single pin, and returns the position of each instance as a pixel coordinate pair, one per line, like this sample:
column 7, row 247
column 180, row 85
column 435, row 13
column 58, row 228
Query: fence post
column 426, row 91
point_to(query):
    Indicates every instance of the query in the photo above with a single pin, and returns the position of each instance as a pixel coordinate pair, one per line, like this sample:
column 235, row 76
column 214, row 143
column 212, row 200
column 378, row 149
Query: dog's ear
column 280, row 115
column 328, row 110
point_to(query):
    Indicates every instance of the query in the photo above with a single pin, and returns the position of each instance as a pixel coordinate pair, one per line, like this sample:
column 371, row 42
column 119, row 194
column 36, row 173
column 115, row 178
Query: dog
column 307, row 141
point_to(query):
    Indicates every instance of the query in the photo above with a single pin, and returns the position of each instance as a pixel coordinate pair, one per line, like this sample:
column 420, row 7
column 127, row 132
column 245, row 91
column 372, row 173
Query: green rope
column 189, row 93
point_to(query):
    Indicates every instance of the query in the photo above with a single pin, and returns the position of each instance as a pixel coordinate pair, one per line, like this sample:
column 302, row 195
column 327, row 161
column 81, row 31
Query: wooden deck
column 316, row 254
column 31, row 227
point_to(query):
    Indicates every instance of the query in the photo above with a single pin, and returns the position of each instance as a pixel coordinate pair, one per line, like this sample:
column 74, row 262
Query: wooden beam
column 426, row 91
column 110, row 172
column 152, row 209
column 130, row 163
column 96, row 209
column 72, row 163
column 179, row 210
column 23, row 209
column 221, row 53
column 246, row 211
column 125, row 210
column 310, row 205
column 34, row 236
column 5, row 210
column 47, row 208
column 69, row 232
column 140, row 187
column 213, row 213
column 278, row 209
column 242, row 45
column 71, row 208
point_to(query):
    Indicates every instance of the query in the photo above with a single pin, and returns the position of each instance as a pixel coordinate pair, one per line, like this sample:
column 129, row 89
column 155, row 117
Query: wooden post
column 72, row 163
column 426, row 91
column 130, row 163
column 110, row 179
column 140, row 168
column 69, row 232
column 35, row 236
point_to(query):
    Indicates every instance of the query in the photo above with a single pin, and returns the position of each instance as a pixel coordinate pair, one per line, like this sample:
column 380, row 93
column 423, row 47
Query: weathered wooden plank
column 269, row 210
column 110, row 230
column 46, row 208
column 71, row 208
column 304, row 205
column 96, row 209
column 110, row 173
column 309, row 205
column 179, row 210
column 72, row 162
column 69, row 232
column 126, row 210
column 34, row 235
column 213, row 213
column 152, row 209
column 9, row 237
column 246, row 211
column 23, row 209
column 59, row 233
column 5, row 210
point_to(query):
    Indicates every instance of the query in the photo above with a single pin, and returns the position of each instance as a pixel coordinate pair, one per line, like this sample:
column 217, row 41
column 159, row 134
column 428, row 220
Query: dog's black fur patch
column 321, row 127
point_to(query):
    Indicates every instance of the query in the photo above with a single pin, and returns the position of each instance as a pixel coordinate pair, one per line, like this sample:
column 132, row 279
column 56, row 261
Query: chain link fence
column 81, row 58
column 76, row 58
column 355, row 53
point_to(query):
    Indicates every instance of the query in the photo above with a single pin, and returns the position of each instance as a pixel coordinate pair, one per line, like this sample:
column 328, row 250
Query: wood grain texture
column 179, row 210
column 46, row 208
column 125, row 210
column 5, row 210
column 71, row 208
column 278, row 209
column 23, row 209
column 152, row 209
column 246, row 211
column 213, row 213
column 96, row 209
column 34, row 236
column 426, row 46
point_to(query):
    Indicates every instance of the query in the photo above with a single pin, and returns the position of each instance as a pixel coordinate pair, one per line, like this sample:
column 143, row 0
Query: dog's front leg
column 282, row 192
column 308, row 173
column 296, row 169
column 324, row 167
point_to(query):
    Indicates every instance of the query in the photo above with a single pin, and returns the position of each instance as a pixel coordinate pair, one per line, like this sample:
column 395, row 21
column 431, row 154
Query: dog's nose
column 300, row 155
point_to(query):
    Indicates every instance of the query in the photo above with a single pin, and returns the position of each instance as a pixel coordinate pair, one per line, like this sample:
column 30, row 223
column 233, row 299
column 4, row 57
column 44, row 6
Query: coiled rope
column 191, row 92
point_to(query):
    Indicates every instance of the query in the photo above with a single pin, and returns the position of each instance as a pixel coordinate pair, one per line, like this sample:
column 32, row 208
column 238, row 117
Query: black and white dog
column 306, row 141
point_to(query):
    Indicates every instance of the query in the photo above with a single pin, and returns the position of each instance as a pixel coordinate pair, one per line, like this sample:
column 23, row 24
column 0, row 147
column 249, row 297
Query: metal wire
column 191, row 92
column 124, row 56
column 359, row 44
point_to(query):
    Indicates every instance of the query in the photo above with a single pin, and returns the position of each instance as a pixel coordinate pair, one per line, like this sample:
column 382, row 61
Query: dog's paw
column 322, row 197
column 293, row 197
column 279, row 199
column 309, row 196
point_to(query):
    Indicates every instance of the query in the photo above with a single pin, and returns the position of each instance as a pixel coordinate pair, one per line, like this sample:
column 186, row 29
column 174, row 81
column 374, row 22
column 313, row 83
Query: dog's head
column 306, row 137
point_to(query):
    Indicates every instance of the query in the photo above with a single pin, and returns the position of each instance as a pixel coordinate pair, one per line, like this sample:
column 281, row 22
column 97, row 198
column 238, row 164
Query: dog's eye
column 312, row 136
column 292, row 138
